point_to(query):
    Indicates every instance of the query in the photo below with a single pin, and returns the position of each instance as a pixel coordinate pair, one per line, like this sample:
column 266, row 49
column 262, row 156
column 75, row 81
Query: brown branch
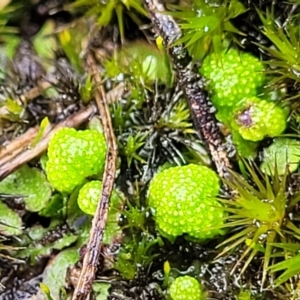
column 93, row 250
column 18, row 145
column 193, row 86
column 28, row 154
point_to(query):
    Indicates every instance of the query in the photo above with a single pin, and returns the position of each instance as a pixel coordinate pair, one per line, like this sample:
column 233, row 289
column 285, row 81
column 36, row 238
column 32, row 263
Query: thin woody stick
column 27, row 155
column 193, row 86
column 92, row 255
column 18, row 145
column 22, row 142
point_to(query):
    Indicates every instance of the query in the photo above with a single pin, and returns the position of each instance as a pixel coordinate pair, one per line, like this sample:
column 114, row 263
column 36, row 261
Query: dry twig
column 193, row 86
column 93, row 251
column 18, row 145
column 25, row 155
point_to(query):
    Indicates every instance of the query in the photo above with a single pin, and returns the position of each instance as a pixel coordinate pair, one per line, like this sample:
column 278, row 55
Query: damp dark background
column 23, row 71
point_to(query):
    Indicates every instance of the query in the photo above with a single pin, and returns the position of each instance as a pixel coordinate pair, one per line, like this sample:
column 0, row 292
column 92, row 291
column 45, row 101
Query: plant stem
column 94, row 246
column 192, row 84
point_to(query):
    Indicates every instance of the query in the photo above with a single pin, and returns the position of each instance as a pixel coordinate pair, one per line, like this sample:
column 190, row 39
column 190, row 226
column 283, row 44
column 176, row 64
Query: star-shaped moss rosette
column 259, row 215
column 284, row 53
column 206, row 25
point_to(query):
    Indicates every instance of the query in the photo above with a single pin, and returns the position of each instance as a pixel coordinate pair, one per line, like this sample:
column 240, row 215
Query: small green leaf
column 86, row 89
column 37, row 251
column 10, row 221
column 36, row 233
column 235, row 8
column 244, row 295
column 13, row 106
column 134, row 143
column 291, row 267
column 65, row 241
column 10, row 44
column 167, row 270
column 45, row 42
column 46, row 290
column 288, row 246
column 43, row 161
column 54, row 207
column 283, row 152
column 71, row 41
column 112, row 230
column 95, row 124
column 30, row 183
column 55, row 272
column 43, row 127
column 101, row 290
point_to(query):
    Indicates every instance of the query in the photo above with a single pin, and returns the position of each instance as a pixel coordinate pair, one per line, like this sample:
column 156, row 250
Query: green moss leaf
column 101, row 290
column 54, row 207
column 284, row 153
column 73, row 41
column 37, row 251
column 30, row 183
column 11, row 223
column 45, row 43
column 55, row 272
column 207, row 25
column 112, row 230
column 290, row 266
column 45, row 124
column 46, row 290
column 72, row 208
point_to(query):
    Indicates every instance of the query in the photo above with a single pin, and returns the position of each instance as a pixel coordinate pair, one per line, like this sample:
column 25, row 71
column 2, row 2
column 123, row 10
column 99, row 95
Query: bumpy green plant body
column 89, row 195
column 183, row 199
column 232, row 76
column 246, row 149
column 73, row 156
column 256, row 118
column 281, row 153
column 185, row 288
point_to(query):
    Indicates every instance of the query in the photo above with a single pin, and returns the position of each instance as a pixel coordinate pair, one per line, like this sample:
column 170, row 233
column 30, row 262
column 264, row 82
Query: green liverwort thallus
column 183, row 199
column 232, row 76
column 89, row 196
column 185, row 288
column 235, row 79
column 73, row 156
column 256, row 118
